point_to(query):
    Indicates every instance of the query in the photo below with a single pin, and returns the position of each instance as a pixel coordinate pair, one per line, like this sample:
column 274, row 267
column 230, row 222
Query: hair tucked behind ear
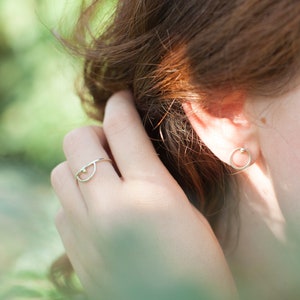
column 167, row 52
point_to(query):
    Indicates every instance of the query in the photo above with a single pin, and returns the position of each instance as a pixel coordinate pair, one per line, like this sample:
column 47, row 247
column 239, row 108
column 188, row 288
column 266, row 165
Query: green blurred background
column 38, row 106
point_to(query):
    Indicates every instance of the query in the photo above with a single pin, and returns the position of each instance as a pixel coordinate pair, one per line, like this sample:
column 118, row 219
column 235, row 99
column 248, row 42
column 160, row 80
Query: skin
column 269, row 203
column 136, row 189
column 280, row 131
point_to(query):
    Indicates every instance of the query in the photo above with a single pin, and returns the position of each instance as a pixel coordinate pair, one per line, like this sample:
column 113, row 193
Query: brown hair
column 168, row 51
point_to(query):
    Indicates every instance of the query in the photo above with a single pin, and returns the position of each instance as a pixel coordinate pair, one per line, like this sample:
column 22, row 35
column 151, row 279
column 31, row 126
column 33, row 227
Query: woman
column 216, row 86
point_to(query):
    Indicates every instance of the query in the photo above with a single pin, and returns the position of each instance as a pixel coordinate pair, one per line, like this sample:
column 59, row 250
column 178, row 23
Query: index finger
column 128, row 141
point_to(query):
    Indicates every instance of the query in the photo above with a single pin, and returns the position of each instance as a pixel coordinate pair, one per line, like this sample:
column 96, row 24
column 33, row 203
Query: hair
column 168, row 52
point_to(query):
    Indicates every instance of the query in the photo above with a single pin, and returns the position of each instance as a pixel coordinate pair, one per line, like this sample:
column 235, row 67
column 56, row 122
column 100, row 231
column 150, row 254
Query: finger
column 71, row 243
column 68, row 193
column 83, row 250
column 84, row 145
column 127, row 138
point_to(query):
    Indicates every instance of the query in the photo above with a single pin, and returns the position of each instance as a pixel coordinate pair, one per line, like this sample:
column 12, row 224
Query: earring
column 247, row 162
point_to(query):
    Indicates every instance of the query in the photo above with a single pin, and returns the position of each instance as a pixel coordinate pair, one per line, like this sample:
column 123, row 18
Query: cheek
column 281, row 150
column 280, row 139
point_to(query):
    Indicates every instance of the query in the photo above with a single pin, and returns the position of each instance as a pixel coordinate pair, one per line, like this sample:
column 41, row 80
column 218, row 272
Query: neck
column 261, row 249
column 257, row 195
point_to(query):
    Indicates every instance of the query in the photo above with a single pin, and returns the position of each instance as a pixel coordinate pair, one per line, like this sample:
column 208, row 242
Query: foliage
column 37, row 100
column 38, row 106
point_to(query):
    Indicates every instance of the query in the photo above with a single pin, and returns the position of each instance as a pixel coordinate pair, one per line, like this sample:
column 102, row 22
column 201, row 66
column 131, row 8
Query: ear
column 225, row 126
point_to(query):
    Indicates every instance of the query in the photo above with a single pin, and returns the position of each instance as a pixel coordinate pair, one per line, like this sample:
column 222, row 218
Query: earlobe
column 243, row 154
column 226, row 130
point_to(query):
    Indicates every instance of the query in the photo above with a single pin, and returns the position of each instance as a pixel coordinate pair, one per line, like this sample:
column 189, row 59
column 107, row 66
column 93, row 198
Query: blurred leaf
column 38, row 104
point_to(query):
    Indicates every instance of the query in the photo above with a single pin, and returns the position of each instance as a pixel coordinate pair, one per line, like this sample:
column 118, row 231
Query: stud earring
column 242, row 151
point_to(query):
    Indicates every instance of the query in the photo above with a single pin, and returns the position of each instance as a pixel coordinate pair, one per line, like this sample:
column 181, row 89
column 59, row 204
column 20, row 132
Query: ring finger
column 86, row 155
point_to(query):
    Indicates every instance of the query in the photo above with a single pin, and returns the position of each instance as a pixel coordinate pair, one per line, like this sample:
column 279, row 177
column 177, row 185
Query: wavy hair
column 167, row 52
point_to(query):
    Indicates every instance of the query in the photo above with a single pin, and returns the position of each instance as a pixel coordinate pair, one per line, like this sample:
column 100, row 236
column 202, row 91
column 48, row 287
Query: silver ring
column 247, row 163
column 84, row 170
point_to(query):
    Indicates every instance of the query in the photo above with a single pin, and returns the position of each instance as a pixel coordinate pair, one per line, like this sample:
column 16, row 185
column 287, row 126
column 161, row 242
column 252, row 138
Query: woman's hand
column 134, row 199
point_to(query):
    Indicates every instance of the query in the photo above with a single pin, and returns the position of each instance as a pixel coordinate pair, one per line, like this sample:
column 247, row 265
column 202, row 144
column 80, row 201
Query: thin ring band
column 83, row 170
